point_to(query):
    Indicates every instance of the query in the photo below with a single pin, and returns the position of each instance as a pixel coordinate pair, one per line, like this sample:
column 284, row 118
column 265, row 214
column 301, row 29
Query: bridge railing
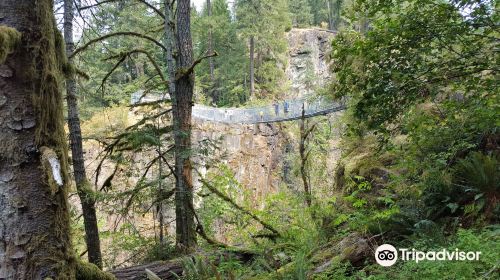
column 271, row 113
column 278, row 111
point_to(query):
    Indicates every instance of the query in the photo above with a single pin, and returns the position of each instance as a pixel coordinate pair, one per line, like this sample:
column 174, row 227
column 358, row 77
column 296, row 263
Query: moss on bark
column 9, row 39
column 88, row 271
column 49, row 63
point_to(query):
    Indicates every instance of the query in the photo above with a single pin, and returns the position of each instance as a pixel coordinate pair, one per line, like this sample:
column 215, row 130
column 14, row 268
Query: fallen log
column 166, row 270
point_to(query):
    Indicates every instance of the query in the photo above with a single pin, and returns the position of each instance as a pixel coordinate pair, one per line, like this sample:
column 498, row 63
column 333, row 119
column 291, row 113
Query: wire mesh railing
column 277, row 112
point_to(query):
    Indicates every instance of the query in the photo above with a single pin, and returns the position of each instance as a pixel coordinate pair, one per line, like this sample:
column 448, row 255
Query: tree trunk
column 213, row 90
column 34, row 219
column 335, row 17
column 160, row 192
column 304, row 133
column 252, row 66
column 75, row 135
column 330, row 14
column 166, row 270
column 181, row 109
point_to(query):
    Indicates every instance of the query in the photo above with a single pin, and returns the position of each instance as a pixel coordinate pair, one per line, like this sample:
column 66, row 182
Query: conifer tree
column 300, row 12
column 264, row 23
column 35, row 232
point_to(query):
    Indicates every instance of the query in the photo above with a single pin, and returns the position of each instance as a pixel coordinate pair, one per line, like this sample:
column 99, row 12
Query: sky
column 198, row 3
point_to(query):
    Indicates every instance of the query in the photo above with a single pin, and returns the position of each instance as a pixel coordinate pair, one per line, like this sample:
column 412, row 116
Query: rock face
column 353, row 248
column 256, row 153
column 253, row 152
column 308, row 60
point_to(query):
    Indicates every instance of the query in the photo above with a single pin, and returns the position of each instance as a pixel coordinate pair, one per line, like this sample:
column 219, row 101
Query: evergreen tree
column 319, row 9
column 300, row 12
column 182, row 100
column 264, row 22
column 328, row 13
column 130, row 75
column 75, row 134
column 227, row 85
column 35, row 233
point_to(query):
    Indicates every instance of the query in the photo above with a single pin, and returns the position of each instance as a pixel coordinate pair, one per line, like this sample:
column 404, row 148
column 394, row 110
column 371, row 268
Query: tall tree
column 182, row 102
column 305, row 131
column 334, row 8
column 300, row 12
column 75, row 135
column 35, row 234
column 252, row 65
column 264, row 23
column 226, row 87
column 210, row 43
column 319, row 10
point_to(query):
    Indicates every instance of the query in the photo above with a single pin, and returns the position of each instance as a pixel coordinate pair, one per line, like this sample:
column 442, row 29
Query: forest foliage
column 419, row 163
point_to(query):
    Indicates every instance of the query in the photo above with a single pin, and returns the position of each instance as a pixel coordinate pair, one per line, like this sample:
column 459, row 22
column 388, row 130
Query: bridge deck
column 287, row 110
column 268, row 114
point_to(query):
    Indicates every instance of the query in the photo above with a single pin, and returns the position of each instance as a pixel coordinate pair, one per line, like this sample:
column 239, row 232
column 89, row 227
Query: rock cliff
column 256, row 153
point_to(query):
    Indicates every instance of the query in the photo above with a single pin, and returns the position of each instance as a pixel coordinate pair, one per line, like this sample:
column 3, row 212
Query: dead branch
column 151, row 103
column 95, row 5
column 156, row 10
column 224, row 197
column 115, row 34
column 123, row 56
column 148, row 55
column 107, row 183
column 122, row 59
column 185, row 72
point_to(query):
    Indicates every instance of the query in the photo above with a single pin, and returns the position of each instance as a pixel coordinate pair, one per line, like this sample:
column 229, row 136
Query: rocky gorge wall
column 257, row 153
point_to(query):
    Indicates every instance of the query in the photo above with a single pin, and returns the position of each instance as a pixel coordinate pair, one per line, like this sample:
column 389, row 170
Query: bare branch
column 95, row 5
column 224, row 197
column 123, row 56
column 122, row 59
column 107, row 183
column 157, row 11
column 115, row 34
column 184, row 72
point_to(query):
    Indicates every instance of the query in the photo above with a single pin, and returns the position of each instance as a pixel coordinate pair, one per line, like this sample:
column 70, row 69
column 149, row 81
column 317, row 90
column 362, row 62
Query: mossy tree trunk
column 75, row 135
column 182, row 107
column 34, row 221
column 305, row 131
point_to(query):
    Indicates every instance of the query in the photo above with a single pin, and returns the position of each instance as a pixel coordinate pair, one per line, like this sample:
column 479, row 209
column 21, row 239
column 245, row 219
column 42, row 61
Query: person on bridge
column 261, row 114
column 276, row 108
column 285, row 107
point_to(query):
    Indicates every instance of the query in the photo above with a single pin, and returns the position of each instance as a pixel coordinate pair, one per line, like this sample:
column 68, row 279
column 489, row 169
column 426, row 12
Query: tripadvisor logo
column 387, row 255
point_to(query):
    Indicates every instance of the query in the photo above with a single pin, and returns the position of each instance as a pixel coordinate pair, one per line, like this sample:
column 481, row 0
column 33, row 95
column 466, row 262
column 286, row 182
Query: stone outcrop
column 353, row 248
column 256, row 152
column 308, row 60
column 253, row 152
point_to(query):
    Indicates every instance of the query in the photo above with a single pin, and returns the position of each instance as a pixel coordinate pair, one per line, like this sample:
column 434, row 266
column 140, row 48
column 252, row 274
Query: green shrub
column 479, row 174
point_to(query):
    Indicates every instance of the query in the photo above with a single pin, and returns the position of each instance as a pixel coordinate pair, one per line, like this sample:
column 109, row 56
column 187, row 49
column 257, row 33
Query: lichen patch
column 52, row 168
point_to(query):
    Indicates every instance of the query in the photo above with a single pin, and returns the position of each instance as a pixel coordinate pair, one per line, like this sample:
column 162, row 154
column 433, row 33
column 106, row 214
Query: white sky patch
column 198, row 4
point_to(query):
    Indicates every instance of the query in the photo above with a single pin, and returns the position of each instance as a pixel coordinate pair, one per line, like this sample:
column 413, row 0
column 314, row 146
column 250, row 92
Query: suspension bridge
column 280, row 111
